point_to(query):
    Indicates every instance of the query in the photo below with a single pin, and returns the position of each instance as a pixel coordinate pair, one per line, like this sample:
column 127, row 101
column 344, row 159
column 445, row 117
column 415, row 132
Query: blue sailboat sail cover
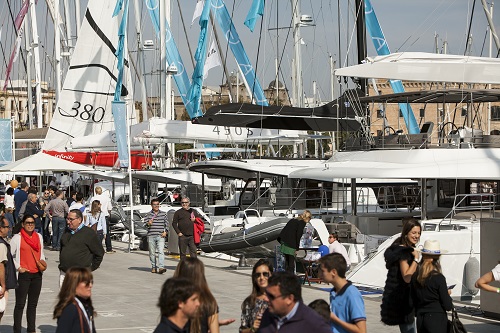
column 194, row 93
column 255, row 11
column 225, row 22
column 380, row 44
column 173, row 56
column 118, row 107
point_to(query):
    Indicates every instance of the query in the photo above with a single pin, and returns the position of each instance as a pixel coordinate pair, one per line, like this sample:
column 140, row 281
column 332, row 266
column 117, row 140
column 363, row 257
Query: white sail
column 84, row 106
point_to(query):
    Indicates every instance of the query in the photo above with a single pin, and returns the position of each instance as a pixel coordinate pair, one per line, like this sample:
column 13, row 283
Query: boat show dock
column 125, row 295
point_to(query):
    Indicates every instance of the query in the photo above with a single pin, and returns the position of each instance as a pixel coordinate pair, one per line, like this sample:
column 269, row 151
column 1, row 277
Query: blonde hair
column 98, row 190
column 427, row 268
column 305, row 216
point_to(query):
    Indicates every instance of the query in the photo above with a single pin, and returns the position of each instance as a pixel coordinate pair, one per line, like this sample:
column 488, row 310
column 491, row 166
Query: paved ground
column 125, row 294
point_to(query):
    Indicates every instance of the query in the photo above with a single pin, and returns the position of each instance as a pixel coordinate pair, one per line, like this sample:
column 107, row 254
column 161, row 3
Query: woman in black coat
column 401, row 260
column 289, row 239
column 431, row 296
column 74, row 311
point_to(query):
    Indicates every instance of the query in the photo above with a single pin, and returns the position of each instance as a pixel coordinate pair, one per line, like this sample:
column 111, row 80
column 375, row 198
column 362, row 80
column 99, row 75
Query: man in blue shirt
column 19, row 198
column 346, row 303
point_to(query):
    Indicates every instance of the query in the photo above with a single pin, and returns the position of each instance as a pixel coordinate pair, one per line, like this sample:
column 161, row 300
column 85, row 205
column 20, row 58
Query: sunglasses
column 5, row 226
column 259, row 274
column 71, row 219
column 271, row 297
column 30, row 223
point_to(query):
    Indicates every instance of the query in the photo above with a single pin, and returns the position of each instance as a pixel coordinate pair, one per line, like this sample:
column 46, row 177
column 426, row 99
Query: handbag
column 455, row 325
column 40, row 264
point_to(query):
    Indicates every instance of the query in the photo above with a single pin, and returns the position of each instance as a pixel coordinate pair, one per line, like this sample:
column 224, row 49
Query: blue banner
column 173, row 57
column 255, row 11
column 5, row 141
column 229, row 31
column 119, row 110
column 118, row 107
column 380, row 44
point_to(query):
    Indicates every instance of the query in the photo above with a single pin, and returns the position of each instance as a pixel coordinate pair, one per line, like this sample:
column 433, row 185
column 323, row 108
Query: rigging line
column 257, row 64
column 185, row 33
column 283, row 52
column 470, row 27
column 20, row 51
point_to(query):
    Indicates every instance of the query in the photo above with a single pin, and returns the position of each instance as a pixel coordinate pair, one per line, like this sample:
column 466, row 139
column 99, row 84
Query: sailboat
column 84, row 105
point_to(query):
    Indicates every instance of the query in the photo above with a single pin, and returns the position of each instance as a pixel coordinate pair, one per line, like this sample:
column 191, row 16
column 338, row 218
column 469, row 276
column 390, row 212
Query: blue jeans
column 58, row 226
column 156, row 243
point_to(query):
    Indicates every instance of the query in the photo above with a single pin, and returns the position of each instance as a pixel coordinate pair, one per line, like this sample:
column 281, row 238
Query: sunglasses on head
column 264, row 274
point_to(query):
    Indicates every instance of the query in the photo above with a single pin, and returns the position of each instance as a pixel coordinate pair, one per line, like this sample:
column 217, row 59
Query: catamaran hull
column 257, row 241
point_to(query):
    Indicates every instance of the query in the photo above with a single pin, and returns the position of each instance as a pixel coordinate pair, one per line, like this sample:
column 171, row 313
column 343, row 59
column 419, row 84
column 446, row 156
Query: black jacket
column 304, row 320
column 292, row 232
column 433, row 296
column 69, row 321
column 81, row 249
column 397, row 306
column 10, row 268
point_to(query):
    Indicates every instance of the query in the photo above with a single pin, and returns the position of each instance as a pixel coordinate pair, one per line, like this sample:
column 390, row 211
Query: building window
column 400, row 113
column 380, row 113
column 495, row 112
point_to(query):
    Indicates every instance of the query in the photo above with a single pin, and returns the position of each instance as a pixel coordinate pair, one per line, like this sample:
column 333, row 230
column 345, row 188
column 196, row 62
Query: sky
column 409, row 25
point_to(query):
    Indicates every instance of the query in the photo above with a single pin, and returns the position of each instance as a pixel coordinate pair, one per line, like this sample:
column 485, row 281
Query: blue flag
column 255, row 11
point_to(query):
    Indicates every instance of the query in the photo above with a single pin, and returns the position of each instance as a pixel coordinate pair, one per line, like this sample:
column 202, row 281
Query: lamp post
column 13, row 138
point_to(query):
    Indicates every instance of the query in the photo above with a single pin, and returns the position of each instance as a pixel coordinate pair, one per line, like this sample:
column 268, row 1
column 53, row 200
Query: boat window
column 251, row 213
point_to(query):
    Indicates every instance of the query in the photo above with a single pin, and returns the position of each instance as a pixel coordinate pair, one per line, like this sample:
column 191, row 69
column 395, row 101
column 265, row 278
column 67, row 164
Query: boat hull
column 256, row 241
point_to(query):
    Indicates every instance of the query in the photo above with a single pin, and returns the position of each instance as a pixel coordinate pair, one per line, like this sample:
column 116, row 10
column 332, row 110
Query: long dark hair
column 194, row 270
column 410, row 224
column 67, row 294
column 255, row 286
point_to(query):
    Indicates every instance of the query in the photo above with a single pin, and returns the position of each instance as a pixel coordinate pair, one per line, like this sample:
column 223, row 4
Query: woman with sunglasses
column 254, row 305
column 27, row 252
column 74, row 311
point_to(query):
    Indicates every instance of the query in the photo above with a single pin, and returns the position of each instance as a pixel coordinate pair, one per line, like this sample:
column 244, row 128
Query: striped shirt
column 160, row 223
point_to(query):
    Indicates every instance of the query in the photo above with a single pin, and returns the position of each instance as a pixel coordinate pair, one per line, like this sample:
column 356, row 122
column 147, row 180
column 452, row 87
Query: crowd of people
column 415, row 298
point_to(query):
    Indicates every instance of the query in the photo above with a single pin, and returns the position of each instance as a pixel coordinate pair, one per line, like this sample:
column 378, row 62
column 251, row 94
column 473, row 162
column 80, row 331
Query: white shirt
column 9, row 201
column 336, row 247
column 76, row 205
column 105, row 203
column 496, row 272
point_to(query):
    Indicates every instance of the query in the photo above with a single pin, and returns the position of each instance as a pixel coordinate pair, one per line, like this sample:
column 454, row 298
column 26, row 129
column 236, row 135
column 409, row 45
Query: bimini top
column 338, row 115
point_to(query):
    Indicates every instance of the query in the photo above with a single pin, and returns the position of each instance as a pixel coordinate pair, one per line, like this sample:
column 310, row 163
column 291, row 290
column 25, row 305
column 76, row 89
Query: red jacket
column 199, row 228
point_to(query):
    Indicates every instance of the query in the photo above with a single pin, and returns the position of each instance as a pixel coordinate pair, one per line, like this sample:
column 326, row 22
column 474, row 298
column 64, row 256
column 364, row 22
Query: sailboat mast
column 38, row 76
column 361, row 38
column 57, row 49
column 29, row 91
column 298, row 89
column 140, row 61
column 67, row 17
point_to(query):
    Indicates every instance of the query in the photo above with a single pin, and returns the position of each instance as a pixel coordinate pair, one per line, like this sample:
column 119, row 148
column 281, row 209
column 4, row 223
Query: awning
column 437, row 96
column 415, row 164
column 420, row 66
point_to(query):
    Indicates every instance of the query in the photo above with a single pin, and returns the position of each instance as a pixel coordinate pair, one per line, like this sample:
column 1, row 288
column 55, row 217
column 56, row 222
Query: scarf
column 35, row 244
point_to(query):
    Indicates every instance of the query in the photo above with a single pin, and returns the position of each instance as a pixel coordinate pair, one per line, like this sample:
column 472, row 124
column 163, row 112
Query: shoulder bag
column 455, row 325
column 40, row 264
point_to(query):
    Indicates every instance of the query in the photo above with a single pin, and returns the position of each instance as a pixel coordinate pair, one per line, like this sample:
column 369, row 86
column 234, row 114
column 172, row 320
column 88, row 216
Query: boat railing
column 482, row 203
column 338, row 199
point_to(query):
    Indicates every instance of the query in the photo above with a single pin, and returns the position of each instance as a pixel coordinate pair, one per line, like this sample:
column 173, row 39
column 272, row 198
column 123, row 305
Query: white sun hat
column 432, row 247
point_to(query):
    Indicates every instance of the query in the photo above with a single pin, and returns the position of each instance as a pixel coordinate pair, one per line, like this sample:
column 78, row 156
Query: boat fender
column 471, row 274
